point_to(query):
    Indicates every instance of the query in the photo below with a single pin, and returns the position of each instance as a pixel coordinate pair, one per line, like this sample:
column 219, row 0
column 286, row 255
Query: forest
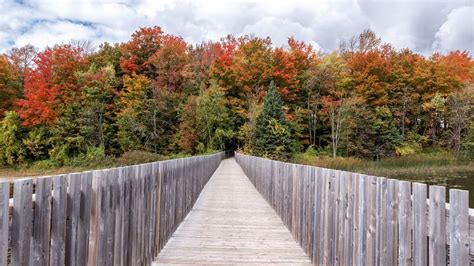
column 76, row 103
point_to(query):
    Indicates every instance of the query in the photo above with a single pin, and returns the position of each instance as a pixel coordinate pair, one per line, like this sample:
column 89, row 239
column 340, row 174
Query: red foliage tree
column 50, row 83
column 144, row 43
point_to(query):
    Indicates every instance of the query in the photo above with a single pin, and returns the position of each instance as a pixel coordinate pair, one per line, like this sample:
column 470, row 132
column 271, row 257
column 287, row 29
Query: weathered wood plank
column 84, row 219
column 22, row 222
column 437, row 226
column 363, row 219
column 372, row 216
column 42, row 221
column 356, row 234
column 58, row 221
column 392, row 222
column 94, row 218
column 318, row 218
column 348, row 243
column 72, row 217
column 326, row 234
column 405, row 225
column 118, row 214
column 111, row 206
column 382, row 221
column 4, row 220
column 459, row 227
column 420, row 226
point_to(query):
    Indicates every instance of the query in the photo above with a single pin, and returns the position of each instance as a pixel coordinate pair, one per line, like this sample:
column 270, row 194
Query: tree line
column 158, row 93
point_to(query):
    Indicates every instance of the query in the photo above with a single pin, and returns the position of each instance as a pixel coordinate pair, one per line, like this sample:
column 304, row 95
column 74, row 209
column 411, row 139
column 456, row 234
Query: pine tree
column 273, row 135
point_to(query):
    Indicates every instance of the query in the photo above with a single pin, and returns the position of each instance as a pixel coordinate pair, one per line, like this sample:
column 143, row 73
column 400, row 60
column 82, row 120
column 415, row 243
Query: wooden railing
column 343, row 218
column 120, row 216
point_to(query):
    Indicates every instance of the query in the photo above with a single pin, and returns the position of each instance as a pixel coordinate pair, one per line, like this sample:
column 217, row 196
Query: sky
column 424, row 26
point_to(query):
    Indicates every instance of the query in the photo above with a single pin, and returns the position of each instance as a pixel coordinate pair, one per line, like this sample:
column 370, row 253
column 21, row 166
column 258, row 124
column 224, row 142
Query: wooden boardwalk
column 231, row 223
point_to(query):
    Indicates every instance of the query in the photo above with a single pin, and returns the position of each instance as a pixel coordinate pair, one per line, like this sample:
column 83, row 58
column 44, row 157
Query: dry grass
column 414, row 165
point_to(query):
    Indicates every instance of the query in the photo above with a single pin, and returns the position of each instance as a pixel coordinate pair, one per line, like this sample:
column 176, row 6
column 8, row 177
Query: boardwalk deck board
column 231, row 223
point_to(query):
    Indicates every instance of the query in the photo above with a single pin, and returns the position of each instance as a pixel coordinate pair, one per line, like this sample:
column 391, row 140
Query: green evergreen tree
column 374, row 134
column 273, row 135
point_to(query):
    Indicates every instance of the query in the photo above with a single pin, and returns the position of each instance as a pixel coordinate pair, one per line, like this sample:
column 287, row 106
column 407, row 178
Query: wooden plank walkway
column 231, row 223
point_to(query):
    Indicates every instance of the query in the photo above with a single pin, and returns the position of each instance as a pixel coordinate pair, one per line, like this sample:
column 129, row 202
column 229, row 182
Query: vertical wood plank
column 459, row 227
column 420, row 232
column 72, row 218
column 84, row 219
column 119, row 203
column 348, row 220
column 126, row 218
column 328, row 221
column 363, row 219
column 94, row 219
column 4, row 220
column 42, row 221
column 318, row 219
column 111, row 186
column 341, row 217
column 157, row 172
column 102, row 219
column 382, row 221
column 405, row 225
column 437, row 226
column 22, row 222
column 392, row 222
column 372, row 216
column 356, row 234
column 58, row 221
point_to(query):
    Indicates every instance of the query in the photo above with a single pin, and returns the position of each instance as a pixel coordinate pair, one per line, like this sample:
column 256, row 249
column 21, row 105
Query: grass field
column 424, row 164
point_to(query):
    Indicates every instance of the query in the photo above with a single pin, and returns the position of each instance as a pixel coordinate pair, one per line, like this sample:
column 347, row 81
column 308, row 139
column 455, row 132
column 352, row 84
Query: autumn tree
column 458, row 115
column 134, row 100
column 188, row 127
column 169, row 62
column 23, row 58
column 197, row 71
column 51, row 85
column 136, row 53
column 10, row 85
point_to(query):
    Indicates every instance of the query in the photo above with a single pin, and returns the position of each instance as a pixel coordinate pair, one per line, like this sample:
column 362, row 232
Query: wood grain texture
column 405, row 224
column 22, row 222
column 72, row 219
column 437, row 226
column 420, row 226
column 58, row 221
column 42, row 221
column 459, row 227
column 4, row 220
column 84, row 219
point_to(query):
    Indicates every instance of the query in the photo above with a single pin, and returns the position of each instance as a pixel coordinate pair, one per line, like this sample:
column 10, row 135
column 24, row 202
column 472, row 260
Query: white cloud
column 422, row 25
column 50, row 33
column 457, row 32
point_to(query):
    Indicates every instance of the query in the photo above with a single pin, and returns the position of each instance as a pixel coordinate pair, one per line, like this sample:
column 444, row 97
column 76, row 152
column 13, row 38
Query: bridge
column 231, row 223
column 245, row 210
